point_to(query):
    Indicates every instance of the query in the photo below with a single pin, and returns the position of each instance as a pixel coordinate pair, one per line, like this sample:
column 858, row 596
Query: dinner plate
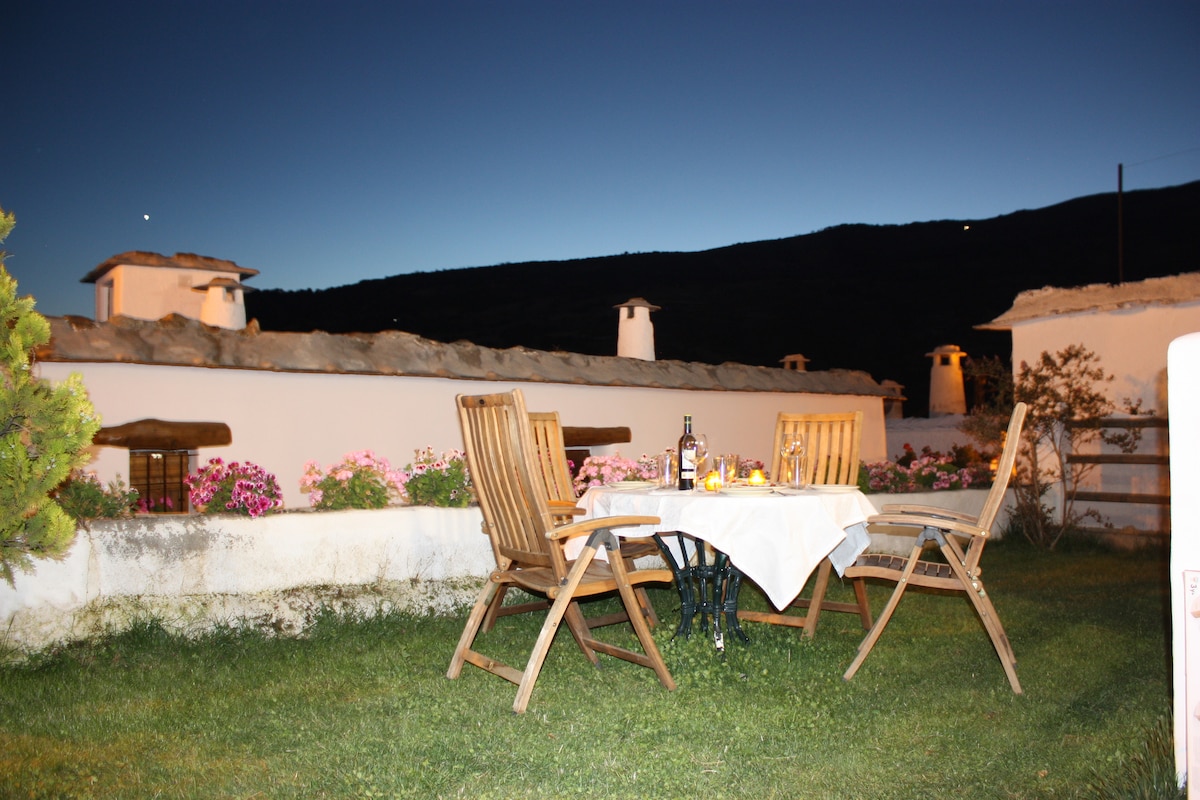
column 747, row 491
column 833, row 487
column 630, row 485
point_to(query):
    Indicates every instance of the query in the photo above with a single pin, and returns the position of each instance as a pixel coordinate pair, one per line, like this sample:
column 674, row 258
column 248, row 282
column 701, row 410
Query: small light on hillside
column 966, row 227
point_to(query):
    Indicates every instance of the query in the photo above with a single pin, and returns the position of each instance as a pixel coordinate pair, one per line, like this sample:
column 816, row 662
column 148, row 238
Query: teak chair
column 832, row 444
column 960, row 573
column 549, row 442
column 556, row 474
column 528, row 548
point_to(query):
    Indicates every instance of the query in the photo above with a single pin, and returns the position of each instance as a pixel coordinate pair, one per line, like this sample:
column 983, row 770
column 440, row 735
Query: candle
column 756, row 478
column 712, row 481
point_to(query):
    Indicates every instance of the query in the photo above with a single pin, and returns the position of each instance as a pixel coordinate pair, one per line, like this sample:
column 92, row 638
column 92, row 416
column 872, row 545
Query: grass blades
column 360, row 707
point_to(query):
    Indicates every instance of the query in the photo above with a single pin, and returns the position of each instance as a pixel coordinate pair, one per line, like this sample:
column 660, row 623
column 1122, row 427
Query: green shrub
column 433, row 480
column 84, row 497
column 360, row 480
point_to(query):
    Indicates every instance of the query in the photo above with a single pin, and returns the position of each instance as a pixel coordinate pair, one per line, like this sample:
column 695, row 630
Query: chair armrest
column 599, row 523
column 929, row 511
column 565, row 508
column 937, row 521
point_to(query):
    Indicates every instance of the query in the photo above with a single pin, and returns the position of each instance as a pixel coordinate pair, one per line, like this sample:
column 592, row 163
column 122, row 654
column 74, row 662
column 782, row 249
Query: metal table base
column 704, row 588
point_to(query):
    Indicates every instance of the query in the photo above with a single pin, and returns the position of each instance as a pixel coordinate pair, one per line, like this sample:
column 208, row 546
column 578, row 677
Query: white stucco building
column 150, row 286
column 1129, row 325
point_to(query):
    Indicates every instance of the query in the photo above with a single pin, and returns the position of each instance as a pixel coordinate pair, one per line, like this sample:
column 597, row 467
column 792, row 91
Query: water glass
column 793, row 470
column 668, row 468
column 727, row 467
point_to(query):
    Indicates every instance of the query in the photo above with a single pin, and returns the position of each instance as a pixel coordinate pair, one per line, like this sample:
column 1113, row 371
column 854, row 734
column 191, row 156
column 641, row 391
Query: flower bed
column 930, row 471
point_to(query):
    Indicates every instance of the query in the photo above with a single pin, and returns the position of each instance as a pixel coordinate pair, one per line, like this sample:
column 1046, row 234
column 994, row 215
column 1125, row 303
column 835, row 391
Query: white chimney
column 946, row 392
column 224, row 303
column 893, row 404
column 635, row 332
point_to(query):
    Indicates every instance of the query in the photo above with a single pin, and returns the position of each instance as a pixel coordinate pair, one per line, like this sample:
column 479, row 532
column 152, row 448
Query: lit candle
column 756, row 478
column 712, row 481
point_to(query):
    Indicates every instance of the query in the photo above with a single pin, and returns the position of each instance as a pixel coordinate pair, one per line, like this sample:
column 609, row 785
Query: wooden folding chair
column 528, row 548
column 552, row 457
column 960, row 573
column 831, row 457
column 556, row 474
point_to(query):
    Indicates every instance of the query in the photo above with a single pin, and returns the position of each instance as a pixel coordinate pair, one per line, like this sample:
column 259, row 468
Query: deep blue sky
column 324, row 143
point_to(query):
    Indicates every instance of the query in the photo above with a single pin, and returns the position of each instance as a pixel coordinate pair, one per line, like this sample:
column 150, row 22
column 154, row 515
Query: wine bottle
column 687, row 456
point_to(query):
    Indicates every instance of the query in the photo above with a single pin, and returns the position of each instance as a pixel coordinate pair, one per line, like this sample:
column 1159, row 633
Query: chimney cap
column 224, row 283
column 638, row 302
column 796, row 362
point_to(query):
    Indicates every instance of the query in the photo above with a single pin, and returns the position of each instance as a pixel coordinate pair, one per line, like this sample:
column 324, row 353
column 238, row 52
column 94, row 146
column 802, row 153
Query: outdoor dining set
column 561, row 549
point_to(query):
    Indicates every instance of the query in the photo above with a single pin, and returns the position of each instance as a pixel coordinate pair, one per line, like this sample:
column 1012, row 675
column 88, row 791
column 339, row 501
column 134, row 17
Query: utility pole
column 1120, row 223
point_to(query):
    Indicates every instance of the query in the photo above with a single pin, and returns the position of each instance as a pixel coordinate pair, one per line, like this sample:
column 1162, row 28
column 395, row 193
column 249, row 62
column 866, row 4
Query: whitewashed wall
column 153, row 292
column 1131, row 342
column 193, row 572
column 281, row 420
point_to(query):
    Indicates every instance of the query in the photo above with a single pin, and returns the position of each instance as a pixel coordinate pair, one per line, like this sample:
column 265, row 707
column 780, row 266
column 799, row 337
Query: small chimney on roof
column 224, row 303
column 893, row 403
column 795, row 362
column 635, row 332
column 946, row 392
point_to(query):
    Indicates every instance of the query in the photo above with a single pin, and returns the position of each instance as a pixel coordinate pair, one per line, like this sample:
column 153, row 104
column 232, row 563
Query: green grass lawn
column 362, row 708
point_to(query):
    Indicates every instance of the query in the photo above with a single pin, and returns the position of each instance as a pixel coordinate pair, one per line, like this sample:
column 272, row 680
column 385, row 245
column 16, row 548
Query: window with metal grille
column 158, row 476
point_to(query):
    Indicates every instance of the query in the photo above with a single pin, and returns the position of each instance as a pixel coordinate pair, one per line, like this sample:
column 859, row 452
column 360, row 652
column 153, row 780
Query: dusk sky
column 323, row 143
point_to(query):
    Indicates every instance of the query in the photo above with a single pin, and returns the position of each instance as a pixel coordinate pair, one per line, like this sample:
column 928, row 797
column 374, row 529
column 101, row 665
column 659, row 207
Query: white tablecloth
column 777, row 540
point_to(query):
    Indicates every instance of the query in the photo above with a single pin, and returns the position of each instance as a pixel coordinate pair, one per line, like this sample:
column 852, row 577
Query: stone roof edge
column 1052, row 301
column 145, row 258
column 180, row 341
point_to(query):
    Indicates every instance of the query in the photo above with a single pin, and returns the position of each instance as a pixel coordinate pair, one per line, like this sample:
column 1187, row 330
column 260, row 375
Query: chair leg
column 641, row 626
column 977, row 594
column 581, row 631
column 818, row 597
column 646, row 607
column 482, row 603
column 864, row 649
column 563, row 600
column 864, row 607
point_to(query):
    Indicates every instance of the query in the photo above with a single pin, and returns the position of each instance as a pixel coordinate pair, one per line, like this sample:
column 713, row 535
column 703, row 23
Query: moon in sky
column 146, row 217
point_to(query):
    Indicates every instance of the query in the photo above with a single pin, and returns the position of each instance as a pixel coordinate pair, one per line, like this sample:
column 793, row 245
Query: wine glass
column 701, row 453
column 791, row 462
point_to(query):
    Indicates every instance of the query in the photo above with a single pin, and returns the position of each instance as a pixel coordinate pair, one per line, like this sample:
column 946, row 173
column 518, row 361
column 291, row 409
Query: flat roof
column 1050, row 301
column 142, row 258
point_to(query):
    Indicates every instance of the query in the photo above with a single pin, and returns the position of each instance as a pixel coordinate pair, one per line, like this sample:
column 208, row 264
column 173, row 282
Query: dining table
column 774, row 535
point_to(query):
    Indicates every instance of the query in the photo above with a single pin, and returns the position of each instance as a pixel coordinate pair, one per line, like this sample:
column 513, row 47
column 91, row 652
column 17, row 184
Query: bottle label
column 687, row 464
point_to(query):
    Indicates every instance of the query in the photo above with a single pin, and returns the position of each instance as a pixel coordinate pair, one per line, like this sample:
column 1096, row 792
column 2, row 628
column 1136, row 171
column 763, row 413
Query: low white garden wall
column 275, row 572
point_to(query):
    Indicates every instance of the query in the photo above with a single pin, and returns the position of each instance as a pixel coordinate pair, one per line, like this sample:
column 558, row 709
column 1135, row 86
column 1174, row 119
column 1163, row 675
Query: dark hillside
column 875, row 298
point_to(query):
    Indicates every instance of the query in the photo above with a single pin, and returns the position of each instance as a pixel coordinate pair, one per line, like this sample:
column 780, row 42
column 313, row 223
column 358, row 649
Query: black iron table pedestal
column 705, row 588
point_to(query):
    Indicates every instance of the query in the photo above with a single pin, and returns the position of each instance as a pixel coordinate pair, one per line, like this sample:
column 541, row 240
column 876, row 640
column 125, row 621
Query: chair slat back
column 831, row 441
column 1008, row 458
column 508, row 481
column 552, row 454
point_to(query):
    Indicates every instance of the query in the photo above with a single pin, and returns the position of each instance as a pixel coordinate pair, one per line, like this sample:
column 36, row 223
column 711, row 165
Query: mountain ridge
column 855, row 296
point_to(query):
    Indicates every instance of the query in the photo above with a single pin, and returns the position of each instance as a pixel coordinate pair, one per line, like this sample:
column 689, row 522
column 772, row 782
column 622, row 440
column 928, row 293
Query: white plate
column 747, row 491
column 630, row 485
column 833, row 487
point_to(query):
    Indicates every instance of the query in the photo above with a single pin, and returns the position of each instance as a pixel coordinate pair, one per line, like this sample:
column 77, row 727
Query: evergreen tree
column 45, row 431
